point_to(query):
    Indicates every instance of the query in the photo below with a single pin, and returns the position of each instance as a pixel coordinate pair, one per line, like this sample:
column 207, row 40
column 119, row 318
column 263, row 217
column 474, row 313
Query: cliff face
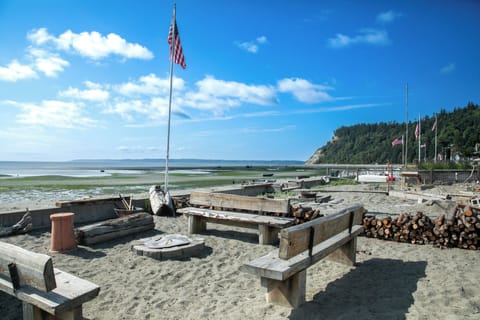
column 315, row 158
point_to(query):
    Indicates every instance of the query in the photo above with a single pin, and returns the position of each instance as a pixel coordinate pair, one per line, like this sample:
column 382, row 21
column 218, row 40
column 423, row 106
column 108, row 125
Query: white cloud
column 150, row 85
column 94, row 95
column 154, row 109
column 93, row 44
column 52, row 113
column 262, row 39
column 48, row 63
column 252, row 46
column 15, row 71
column 248, row 46
column 388, row 16
column 365, row 36
column 217, row 95
column 448, row 68
column 304, row 91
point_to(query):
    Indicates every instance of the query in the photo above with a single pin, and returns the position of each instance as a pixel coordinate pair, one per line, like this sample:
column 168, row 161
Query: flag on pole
column 417, row 132
column 176, row 52
column 397, row 141
column 434, row 124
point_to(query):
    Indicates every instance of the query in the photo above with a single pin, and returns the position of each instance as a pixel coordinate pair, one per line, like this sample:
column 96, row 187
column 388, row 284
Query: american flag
column 176, row 52
column 397, row 141
column 417, row 131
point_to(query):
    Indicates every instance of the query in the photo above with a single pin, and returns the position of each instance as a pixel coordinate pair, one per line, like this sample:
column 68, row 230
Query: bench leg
column 288, row 293
column 345, row 254
column 196, row 224
column 267, row 235
column 74, row 314
column 31, row 312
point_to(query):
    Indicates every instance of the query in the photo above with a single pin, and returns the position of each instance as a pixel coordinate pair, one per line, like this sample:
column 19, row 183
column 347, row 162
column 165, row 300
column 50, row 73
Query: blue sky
column 265, row 80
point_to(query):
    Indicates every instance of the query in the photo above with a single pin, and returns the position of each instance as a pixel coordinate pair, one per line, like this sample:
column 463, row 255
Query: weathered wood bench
column 283, row 271
column 267, row 225
column 42, row 289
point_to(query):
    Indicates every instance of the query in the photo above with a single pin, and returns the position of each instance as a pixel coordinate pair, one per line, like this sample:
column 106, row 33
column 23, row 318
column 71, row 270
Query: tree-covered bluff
column 458, row 132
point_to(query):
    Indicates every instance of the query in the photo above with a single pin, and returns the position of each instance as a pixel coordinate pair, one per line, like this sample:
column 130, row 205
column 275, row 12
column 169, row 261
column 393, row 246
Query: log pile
column 181, row 201
column 457, row 227
column 304, row 214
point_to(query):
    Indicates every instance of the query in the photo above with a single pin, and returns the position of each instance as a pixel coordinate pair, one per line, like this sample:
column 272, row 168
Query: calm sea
column 99, row 168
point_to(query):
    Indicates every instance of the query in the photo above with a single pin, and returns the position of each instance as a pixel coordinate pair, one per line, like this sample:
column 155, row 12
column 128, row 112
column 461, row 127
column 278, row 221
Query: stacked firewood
column 304, row 214
column 458, row 227
column 181, row 201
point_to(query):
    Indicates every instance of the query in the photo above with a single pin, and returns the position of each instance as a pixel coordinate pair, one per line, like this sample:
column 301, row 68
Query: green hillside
column 458, row 132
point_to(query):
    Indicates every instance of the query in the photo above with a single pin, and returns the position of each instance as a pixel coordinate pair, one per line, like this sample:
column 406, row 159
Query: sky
column 264, row 80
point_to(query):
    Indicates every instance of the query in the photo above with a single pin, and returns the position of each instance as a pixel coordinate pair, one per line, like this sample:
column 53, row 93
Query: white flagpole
column 436, row 126
column 419, row 140
column 172, row 52
column 406, row 130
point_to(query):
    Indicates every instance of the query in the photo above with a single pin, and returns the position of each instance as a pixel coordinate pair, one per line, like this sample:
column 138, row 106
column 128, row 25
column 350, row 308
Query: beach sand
column 390, row 281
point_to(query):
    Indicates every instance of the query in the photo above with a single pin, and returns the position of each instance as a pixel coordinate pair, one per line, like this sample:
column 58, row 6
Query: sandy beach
column 390, row 281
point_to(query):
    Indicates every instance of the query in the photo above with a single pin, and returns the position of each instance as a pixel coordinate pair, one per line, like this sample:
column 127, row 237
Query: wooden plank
column 296, row 239
column 71, row 292
column 240, row 202
column 34, row 269
column 88, row 201
column 229, row 216
column 272, row 267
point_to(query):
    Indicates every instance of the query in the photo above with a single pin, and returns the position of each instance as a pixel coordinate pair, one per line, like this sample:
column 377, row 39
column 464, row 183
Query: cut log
column 114, row 228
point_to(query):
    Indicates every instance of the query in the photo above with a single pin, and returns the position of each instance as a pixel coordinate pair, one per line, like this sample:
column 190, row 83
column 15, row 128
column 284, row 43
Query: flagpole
column 419, row 140
column 406, row 130
column 170, row 98
column 436, row 126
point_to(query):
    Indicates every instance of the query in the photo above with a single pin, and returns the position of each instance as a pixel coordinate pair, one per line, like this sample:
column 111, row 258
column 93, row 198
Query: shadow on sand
column 375, row 289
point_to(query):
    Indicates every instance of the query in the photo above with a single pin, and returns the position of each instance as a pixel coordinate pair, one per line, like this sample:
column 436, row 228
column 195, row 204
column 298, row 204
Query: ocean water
column 103, row 168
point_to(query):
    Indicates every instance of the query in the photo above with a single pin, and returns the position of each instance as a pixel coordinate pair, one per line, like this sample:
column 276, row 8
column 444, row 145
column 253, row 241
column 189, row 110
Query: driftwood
column 114, row 228
column 22, row 226
column 458, row 226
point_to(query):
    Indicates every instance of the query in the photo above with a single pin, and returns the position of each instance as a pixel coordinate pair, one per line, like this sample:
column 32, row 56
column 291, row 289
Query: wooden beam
column 33, row 269
column 296, row 239
column 240, row 202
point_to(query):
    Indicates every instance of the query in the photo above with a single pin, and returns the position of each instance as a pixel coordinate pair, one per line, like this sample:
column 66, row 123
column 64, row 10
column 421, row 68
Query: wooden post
column 288, row 293
column 267, row 235
column 196, row 224
column 30, row 312
column 345, row 254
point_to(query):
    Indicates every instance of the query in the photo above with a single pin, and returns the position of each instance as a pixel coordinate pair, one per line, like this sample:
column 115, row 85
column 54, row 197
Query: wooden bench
column 267, row 225
column 283, row 271
column 43, row 290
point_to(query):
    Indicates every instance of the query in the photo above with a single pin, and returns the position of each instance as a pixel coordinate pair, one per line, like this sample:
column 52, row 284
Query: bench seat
column 272, row 267
column 69, row 295
column 268, row 226
column 283, row 272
